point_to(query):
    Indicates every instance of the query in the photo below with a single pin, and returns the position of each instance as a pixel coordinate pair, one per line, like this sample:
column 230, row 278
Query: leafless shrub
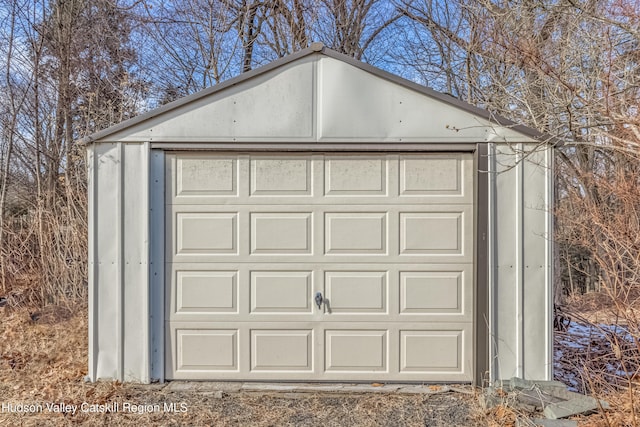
column 44, row 255
column 600, row 218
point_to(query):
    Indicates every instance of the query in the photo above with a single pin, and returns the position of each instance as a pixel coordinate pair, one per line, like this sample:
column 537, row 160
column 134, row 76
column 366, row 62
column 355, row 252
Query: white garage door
column 383, row 242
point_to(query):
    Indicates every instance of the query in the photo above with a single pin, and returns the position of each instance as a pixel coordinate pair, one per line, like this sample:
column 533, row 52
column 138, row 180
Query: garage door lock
column 319, row 299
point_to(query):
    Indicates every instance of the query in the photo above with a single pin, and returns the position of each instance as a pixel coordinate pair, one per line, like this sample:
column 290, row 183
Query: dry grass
column 44, row 360
column 502, row 415
column 606, row 362
column 598, row 307
column 620, row 414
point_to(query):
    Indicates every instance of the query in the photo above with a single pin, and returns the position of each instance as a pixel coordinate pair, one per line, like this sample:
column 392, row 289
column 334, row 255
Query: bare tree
column 442, row 46
column 192, row 45
column 68, row 73
column 287, row 25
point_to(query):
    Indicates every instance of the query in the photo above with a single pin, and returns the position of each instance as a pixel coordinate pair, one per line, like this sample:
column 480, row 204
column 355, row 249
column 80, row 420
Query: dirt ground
column 264, row 409
column 43, row 360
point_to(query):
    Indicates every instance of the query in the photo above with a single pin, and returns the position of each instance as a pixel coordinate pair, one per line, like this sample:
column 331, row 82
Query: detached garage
column 319, row 219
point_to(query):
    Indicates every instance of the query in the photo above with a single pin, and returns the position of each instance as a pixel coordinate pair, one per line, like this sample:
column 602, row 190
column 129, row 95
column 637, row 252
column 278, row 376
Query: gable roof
column 341, row 100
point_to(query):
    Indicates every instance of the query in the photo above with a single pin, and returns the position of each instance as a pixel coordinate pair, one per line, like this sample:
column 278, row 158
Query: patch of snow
column 584, row 350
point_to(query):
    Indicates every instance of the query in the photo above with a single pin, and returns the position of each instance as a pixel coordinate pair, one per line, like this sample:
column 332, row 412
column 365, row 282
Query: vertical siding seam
column 520, row 236
column 91, row 246
column 492, row 279
column 146, row 319
column 550, row 262
column 474, row 264
column 314, row 100
column 482, row 182
column 120, row 260
column 157, row 286
column 162, row 274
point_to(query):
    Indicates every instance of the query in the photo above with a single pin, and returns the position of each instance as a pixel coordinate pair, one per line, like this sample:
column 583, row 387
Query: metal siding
column 156, row 279
column 506, row 286
column 107, row 311
column 275, row 106
column 536, row 285
column 118, row 262
column 144, row 360
column 318, row 50
column 135, row 262
column 550, row 256
column 382, row 110
column 492, row 257
column 520, row 243
column 119, row 235
column 482, row 204
column 308, row 100
column 92, row 261
column 520, row 266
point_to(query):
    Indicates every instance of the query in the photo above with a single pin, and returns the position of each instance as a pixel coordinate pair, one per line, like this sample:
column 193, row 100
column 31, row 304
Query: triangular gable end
column 317, row 95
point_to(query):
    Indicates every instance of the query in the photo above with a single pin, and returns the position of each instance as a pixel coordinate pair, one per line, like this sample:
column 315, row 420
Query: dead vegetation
column 599, row 355
column 619, row 415
column 72, row 72
column 596, row 356
column 43, row 359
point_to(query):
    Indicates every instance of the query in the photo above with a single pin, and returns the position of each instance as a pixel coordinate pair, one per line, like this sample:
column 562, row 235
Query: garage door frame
column 480, row 354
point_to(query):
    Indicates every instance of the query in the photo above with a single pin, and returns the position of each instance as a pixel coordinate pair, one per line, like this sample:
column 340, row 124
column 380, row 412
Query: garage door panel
column 207, row 233
column 431, row 351
column 373, row 351
column 204, row 175
column 423, row 293
column 387, row 239
column 281, row 291
column 207, row 292
column 321, row 233
column 355, row 233
column 428, row 232
column 434, row 175
column 309, row 179
column 302, row 200
column 281, row 350
column 207, row 350
column 355, row 176
column 356, row 292
column 436, row 233
column 335, row 258
column 356, row 350
column 277, row 176
column 432, row 292
column 281, row 233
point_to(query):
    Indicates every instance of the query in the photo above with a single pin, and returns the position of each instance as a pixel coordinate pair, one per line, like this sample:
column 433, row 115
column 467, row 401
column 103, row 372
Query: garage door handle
column 319, row 299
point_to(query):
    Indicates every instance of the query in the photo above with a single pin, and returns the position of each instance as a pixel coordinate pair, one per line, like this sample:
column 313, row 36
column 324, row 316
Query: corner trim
column 481, row 211
column 156, row 281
